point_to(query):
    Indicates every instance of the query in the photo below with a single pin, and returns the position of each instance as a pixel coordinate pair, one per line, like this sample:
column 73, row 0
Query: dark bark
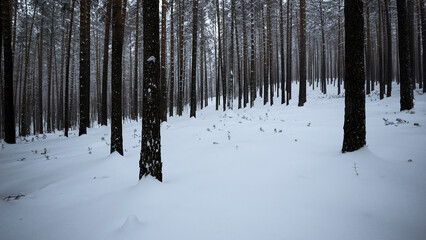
column 302, row 54
column 194, row 59
column 67, row 71
column 104, row 119
column 150, row 161
column 172, row 60
column 406, row 76
column 282, row 52
column 245, row 53
column 389, row 68
column 84, row 66
column 252, row 57
column 354, row 126
column 423, row 22
column 289, row 51
column 39, row 128
column 116, row 77
column 163, row 75
column 135, row 108
column 9, row 112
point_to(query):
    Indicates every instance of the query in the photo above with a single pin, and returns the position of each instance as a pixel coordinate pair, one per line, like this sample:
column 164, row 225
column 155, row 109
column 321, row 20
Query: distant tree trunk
column 252, row 57
column 245, row 53
column 181, row 63
column 135, row 111
column 104, row 119
column 389, row 68
column 220, row 56
column 116, row 77
column 150, row 161
column 224, row 63
column 49, row 72
column 423, row 22
column 163, row 75
column 84, row 66
column 269, row 54
column 289, row 51
column 9, row 112
column 202, row 52
column 323, row 64
column 339, row 51
column 406, row 77
column 172, row 60
column 265, row 59
column 194, row 59
column 411, row 44
column 368, row 51
column 281, row 27
column 380, row 51
column 40, row 76
column 302, row 54
column 354, row 127
column 231, row 60
column 239, row 81
column 67, row 71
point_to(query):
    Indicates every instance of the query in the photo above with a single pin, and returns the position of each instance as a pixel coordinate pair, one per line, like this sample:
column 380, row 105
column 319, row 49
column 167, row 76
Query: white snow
column 151, row 59
column 263, row 173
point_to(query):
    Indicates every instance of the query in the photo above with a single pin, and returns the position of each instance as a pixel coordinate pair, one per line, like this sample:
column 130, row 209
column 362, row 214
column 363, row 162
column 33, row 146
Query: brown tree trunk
column 84, row 66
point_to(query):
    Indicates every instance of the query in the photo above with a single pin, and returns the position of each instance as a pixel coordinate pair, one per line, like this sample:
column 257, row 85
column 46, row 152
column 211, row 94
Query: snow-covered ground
column 263, row 173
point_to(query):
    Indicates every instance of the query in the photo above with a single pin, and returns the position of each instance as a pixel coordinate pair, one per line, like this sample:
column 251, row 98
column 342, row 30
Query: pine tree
column 150, row 161
column 194, row 59
column 172, row 60
column 116, row 77
column 67, row 71
column 9, row 112
column 84, row 66
column 423, row 22
column 302, row 54
column 163, row 75
column 354, row 126
column 406, row 76
column 104, row 119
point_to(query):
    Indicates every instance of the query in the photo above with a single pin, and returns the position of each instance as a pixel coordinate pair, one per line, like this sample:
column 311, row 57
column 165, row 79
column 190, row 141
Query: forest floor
column 262, row 173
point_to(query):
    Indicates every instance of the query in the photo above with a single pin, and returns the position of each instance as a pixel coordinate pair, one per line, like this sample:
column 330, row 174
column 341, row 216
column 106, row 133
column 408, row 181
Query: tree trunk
column 40, row 76
column 9, row 112
column 150, row 161
column 281, row 27
column 289, row 51
column 67, row 71
column 302, row 54
column 423, row 22
column 252, row 57
column 163, row 75
column 406, row 77
column 172, row 61
column 116, row 77
column 194, row 59
column 389, row 68
column 104, row 119
column 354, row 126
column 84, row 66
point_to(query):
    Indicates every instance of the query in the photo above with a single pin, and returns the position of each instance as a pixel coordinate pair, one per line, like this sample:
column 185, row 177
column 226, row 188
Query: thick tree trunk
column 150, row 161
column 194, row 59
column 423, row 22
column 406, row 76
column 116, row 77
column 9, row 112
column 354, row 127
column 302, row 54
column 84, row 66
